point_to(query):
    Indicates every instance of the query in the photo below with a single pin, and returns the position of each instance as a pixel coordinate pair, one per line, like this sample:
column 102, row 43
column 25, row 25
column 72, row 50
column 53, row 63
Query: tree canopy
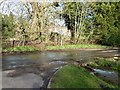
column 87, row 22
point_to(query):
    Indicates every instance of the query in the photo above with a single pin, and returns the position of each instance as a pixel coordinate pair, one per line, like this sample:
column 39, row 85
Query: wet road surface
column 34, row 70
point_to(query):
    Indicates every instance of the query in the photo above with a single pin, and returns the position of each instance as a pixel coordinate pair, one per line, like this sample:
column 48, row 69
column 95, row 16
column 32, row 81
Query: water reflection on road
column 22, row 60
column 46, row 63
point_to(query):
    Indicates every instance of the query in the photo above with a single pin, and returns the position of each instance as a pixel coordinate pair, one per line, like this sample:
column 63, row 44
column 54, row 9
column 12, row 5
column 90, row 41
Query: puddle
column 105, row 72
column 46, row 63
column 110, row 76
column 57, row 62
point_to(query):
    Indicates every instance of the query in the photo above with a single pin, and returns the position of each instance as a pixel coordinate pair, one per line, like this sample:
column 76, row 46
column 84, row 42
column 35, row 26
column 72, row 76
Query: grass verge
column 74, row 77
column 109, row 63
column 78, row 46
column 32, row 48
column 20, row 48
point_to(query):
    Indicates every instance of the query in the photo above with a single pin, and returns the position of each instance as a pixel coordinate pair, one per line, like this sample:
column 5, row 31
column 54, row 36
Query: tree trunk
column 72, row 36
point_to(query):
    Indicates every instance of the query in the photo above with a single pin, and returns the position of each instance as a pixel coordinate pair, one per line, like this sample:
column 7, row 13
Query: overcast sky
column 18, row 9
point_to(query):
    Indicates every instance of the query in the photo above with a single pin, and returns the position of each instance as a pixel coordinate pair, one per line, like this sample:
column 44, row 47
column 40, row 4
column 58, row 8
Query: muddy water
column 45, row 64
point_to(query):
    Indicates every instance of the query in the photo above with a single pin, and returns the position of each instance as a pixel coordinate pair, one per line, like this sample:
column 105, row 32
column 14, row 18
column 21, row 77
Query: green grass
column 20, row 48
column 80, row 46
column 117, row 66
column 103, row 62
column 74, row 77
column 106, row 63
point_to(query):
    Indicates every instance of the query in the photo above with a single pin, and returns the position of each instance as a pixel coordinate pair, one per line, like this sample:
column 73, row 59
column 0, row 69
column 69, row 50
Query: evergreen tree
column 8, row 26
column 106, row 22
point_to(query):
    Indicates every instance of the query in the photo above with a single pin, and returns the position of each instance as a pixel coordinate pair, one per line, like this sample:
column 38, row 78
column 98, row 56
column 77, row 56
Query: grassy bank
column 20, row 48
column 108, row 63
column 73, row 77
column 32, row 48
column 78, row 46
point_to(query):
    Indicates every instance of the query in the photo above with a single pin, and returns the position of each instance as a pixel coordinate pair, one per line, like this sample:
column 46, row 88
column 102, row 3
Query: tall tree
column 8, row 30
column 75, row 14
column 106, row 21
column 70, row 15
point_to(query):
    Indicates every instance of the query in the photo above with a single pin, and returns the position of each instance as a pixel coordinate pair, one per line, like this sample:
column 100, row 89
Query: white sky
column 16, row 7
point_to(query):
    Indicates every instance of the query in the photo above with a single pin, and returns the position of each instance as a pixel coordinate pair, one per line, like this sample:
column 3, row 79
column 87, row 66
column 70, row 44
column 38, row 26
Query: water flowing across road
column 34, row 70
